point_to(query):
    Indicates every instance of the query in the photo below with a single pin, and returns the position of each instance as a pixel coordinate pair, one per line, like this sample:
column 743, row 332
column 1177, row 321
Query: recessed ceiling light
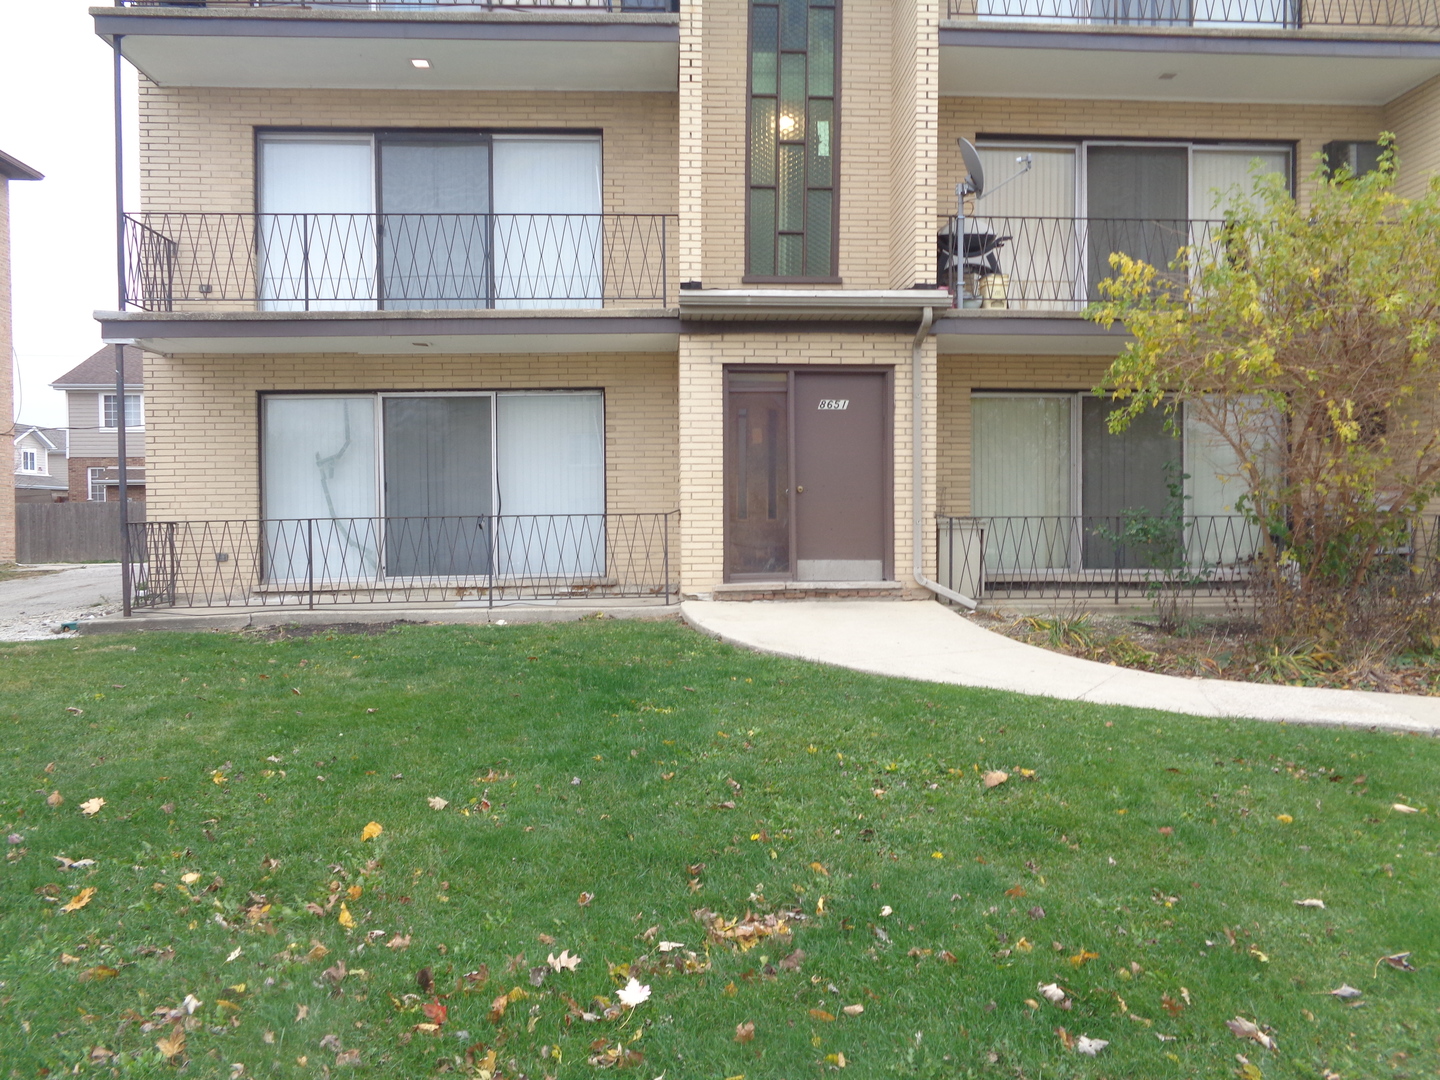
column 1168, row 75
column 421, row 64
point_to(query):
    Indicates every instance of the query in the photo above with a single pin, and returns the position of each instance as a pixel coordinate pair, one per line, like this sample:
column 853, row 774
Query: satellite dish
column 971, row 157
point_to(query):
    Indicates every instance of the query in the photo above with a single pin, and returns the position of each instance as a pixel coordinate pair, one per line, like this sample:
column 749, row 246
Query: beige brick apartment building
column 671, row 297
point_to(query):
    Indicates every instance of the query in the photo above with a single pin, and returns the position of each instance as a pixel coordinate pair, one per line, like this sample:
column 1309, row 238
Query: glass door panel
column 549, row 235
column 1138, row 203
column 435, row 228
column 1122, row 476
column 316, row 227
column 438, row 506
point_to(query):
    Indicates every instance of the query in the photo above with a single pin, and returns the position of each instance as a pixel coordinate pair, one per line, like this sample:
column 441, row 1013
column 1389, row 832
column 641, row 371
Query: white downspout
column 918, row 465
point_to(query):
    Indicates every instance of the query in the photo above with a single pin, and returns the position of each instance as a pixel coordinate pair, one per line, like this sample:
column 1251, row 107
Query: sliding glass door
column 363, row 486
column 429, row 220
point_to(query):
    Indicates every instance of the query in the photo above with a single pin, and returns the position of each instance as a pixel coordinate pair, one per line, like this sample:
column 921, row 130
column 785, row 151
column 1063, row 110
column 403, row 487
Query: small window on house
column 134, row 414
column 96, row 479
column 29, row 461
column 793, row 138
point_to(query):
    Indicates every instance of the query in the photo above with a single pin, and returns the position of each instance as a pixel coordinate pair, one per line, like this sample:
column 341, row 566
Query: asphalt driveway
column 33, row 607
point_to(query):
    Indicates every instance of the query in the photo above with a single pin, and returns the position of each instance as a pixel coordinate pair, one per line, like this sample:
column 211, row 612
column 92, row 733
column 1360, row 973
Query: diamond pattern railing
column 357, row 262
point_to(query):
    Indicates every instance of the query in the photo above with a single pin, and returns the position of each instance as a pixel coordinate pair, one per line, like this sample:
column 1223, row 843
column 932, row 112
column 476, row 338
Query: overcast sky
column 55, row 78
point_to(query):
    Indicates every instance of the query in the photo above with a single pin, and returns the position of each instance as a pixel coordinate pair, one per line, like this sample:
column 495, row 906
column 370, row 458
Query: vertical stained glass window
column 793, row 140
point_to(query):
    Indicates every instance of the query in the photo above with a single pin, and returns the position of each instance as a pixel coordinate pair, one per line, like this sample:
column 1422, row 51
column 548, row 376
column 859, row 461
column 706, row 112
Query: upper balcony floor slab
column 1260, row 63
column 424, row 47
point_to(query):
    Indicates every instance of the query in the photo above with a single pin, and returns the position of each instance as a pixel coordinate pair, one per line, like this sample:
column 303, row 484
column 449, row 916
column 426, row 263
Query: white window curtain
column 1215, row 483
column 316, row 228
column 549, row 235
column 1043, row 257
column 550, row 456
column 1221, row 176
column 319, row 466
column 1022, row 469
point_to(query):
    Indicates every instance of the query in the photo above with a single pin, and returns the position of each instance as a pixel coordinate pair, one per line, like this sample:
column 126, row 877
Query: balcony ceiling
column 1277, row 67
column 300, row 49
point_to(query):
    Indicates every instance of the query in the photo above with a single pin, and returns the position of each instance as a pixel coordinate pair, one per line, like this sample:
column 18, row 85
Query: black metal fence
column 339, row 262
column 1094, row 556
column 314, row 562
column 1257, row 14
column 643, row 6
column 1057, row 263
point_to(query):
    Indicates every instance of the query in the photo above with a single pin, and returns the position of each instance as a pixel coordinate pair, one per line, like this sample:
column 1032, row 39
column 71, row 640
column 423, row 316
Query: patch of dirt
column 296, row 632
column 1218, row 647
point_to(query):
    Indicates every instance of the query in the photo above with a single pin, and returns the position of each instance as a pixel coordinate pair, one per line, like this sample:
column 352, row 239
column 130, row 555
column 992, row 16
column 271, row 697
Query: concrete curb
column 930, row 643
column 146, row 622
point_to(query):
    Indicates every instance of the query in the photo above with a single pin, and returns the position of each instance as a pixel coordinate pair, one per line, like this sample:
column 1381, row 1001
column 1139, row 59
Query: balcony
column 1303, row 52
column 581, row 45
column 368, row 283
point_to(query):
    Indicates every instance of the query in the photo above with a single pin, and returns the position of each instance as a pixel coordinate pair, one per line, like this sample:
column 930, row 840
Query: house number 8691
column 828, row 404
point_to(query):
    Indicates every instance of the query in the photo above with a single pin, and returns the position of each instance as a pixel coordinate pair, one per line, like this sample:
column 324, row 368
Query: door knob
column 799, row 489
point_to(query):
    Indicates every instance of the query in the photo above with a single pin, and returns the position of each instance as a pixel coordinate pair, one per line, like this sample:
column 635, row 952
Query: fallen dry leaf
column 91, row 807
column 1248, row 1029
column 1052, row 993
column 633, row 993
column 822, row 1015
column 745, row 1032
column 853, row 1010
column 1311, row 902
column 54, row 799
column 97, row 973
column 1344, row 991
column 437, row 803
column 72, row 864
column 1084, row 956
column 670, row 946
column 371, row 831
column 83, row 897
column 234, row 955
column 345, row 918
column 172, row 1045
column 563, row 962
column 1400, row 961
column 347, row 1058
column 838, row 1060
column 585, row 899
column 1401, row 808
column 398, row 942
column 1090, row 1047
column 994, row 778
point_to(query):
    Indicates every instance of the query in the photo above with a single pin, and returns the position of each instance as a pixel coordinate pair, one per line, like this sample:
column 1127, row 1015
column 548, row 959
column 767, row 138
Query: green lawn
column 1149, row 867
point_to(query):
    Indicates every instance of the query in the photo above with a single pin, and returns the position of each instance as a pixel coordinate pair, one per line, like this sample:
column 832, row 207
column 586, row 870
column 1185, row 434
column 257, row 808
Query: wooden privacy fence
column 71, row 531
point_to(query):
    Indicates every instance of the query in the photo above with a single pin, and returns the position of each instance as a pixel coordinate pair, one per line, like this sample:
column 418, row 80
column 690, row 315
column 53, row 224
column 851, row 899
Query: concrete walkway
column 929, row 642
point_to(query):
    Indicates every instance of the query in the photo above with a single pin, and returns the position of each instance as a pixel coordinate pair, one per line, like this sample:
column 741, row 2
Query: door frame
column 887, row 459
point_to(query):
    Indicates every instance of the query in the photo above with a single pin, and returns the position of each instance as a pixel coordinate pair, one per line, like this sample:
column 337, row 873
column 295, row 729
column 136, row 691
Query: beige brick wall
column 197, row 145
column 1311, row 127
column 961, row 374
column 915, row 67
column 203, row 456
column 1415, row 120
column 7, row 390
column 702, row 365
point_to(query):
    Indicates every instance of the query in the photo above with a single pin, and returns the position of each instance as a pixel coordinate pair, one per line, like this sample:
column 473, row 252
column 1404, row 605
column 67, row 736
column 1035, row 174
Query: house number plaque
column 834, row 404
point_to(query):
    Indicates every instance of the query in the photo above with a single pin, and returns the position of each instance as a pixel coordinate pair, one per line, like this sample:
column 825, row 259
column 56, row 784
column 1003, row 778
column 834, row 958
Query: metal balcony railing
column 1055, row 263
column 316, row 562
column 623, row 6
column 359, row 262
column 1093, row 555
column 1254, row 14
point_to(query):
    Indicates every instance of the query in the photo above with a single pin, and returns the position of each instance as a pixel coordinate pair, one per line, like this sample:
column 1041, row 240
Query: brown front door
column 757, row 476
column 841, row 485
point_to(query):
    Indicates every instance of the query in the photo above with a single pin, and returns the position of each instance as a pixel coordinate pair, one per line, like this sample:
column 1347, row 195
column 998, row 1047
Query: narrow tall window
column 793, row 139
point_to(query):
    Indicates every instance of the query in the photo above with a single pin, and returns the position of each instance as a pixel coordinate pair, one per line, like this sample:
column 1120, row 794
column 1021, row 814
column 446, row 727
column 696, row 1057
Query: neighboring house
column 10, row 169
column 94, row 472
column 448, row 281
column 40, row 472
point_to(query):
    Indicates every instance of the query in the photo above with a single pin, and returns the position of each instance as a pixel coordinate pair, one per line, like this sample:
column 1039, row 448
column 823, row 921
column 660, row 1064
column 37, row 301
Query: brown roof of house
column 14, row 169
column 99, row 370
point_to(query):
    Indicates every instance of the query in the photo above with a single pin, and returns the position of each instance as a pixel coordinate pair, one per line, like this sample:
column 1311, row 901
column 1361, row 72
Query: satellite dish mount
column 974, row 184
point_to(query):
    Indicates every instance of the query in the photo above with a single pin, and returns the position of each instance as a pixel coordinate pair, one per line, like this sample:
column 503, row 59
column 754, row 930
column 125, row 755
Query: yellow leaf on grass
column 172, row 1045
column 353, row 893
column 1284, row 819
column 79, row 900
column 346, row 919
column 821, row 1014
column 91, row 807
column 1084, row 956
column 838, row 1060
column 190, row 878
column 994, row 778
column 371, row 831
column 819, row 869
